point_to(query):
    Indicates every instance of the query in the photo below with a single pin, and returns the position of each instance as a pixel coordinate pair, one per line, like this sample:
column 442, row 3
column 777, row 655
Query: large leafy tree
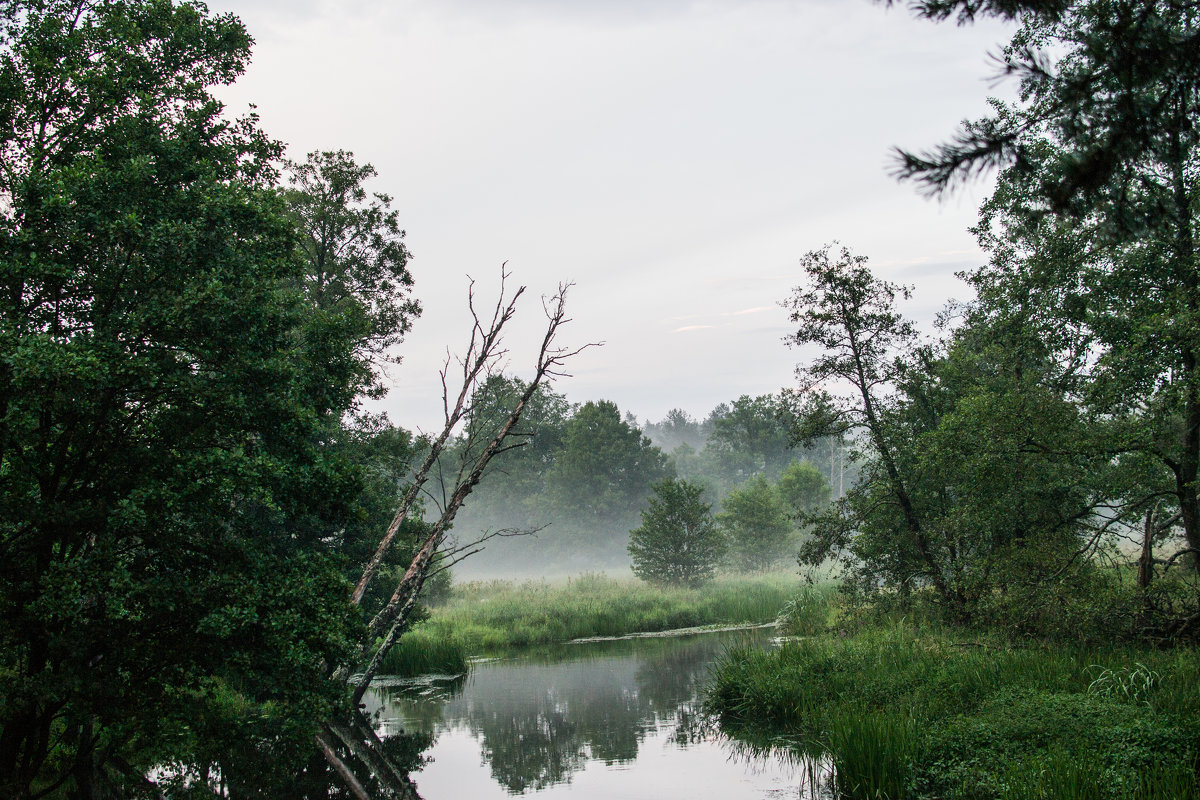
column 803, row 488
column 850, row 315
column 1110, row 77
column 979, row 467
column 750, row 436
column 1092, row 234
column 508, row 496
column 511, row 499
column 167, row 593
column 605, row 467
column 1116, row 268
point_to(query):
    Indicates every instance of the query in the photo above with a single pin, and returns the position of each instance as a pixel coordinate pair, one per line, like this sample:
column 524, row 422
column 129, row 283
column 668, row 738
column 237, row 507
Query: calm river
column 613, row 720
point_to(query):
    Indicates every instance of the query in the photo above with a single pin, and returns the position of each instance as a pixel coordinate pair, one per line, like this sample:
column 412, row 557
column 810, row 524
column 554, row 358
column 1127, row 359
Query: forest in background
column 578, row 484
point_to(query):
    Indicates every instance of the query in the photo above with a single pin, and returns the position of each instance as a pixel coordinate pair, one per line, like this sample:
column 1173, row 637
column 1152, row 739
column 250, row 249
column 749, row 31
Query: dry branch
column 483, row 355
column 483, row 352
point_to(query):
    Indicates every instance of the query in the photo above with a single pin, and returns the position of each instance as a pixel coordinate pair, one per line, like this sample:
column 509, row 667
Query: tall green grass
column 422, row 652
column 1064, row 775
column 483, row 618
column 873, row 755
column 810, row 610
column 975, row 718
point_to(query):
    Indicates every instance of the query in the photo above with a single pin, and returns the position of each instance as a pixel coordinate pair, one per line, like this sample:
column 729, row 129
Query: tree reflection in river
column 542, row 718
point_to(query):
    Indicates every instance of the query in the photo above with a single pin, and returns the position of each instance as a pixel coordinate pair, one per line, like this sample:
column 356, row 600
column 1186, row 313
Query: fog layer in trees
column 585, row 473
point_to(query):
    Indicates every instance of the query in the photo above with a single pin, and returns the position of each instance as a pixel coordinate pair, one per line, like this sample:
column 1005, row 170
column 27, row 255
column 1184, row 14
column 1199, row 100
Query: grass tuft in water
column 809, row 611
column 422, row 653
column 873, row 755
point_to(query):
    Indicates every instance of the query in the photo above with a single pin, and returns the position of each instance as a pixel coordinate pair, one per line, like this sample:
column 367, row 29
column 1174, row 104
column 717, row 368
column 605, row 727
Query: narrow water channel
column 613, row 720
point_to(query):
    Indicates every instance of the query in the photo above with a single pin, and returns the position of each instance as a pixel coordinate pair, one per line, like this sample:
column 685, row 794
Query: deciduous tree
column 678, row 542
column 803, row 488
column 156, row 603
column 605, row 467
column 356, row 275
column 757, row 526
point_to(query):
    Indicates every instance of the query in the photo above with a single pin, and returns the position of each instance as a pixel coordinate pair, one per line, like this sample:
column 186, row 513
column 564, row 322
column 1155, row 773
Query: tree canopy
column 1112, row 79
column 356, row 276
column 606, row 465
column 757, row 525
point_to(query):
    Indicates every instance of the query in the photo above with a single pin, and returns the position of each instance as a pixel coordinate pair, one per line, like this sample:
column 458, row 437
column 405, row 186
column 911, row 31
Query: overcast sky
column 674, row 159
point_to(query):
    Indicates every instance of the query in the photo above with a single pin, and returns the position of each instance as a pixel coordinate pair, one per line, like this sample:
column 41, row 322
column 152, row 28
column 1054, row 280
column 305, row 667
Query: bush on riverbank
column 488, row 617
column 908, row 713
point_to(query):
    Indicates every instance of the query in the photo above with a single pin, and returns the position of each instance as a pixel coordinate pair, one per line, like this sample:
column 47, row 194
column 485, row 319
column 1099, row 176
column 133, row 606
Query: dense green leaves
column 356, row 268
column 605, row 466
column 1113, row 282
column 803, row 488
column 169, row 590
column 1063, row 409
column 980, row 469
column 749, row 436
column 1112, row 80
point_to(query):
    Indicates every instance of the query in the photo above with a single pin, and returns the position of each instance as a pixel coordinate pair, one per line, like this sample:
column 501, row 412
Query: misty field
column 487, row 617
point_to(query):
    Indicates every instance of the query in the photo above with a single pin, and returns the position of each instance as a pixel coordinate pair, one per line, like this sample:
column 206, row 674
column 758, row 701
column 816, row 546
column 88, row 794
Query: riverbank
column 921, row 713
column 488, row 618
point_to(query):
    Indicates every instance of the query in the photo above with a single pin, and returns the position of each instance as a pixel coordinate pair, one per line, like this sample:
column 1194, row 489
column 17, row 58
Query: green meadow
column 487, row 618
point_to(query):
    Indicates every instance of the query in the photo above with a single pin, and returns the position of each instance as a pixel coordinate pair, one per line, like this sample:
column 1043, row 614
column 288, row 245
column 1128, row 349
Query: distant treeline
column 584, row 472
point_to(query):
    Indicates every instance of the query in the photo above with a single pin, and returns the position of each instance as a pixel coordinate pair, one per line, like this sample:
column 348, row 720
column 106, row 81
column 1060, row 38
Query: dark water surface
column 617, row 720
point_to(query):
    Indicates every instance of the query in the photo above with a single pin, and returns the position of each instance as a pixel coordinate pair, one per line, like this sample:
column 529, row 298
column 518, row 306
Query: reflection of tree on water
column 672, row 683
column 675, row 674
column 530, row 752
column 692, row 726
column 423, row 700
column 407, row 750
column 539, row 723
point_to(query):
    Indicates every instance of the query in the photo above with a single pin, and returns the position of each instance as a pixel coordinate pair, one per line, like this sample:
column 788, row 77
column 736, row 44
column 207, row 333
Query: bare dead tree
column 392, row 620
column 484, row 351
column 484, row 354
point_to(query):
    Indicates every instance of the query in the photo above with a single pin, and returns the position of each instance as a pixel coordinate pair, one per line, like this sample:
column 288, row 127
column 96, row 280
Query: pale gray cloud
column 675, row 158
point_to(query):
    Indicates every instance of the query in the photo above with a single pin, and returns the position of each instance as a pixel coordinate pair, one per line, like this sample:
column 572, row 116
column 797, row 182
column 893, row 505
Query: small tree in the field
column 677, row 542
